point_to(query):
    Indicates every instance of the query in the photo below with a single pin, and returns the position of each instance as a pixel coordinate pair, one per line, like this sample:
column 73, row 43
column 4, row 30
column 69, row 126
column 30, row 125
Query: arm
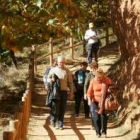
column 87, row 36
column 70, row 82
column 90, row 92
column 103, row 96
column 86, row 85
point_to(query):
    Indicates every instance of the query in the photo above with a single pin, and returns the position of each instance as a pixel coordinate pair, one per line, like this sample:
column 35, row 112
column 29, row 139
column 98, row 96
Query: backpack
column 99, row 41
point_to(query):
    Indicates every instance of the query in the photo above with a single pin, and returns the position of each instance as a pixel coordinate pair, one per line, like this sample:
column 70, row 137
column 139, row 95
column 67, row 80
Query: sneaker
column 61, row 128
column 98, row 135
column 56, row 127
column 104, row 135
column 92, row 127
column 76, row 115
column 52, row 124
column 87, row 117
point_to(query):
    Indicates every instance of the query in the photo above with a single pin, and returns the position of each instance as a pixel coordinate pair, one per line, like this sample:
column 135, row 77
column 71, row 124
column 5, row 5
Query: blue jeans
column 62, row 107
column 100, row 120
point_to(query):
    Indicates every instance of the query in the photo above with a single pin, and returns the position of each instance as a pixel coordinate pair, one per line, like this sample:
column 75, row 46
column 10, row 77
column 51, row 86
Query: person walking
column 66, row 84
column 91, row 75
column 96, row 94
column 92, row 37
column 79, row 81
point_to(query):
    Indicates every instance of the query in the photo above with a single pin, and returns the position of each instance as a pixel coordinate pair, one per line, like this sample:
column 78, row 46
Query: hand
column 71, row 96
column 85, row 96
column 100, row 111
column 46, row 88
column 89, row 102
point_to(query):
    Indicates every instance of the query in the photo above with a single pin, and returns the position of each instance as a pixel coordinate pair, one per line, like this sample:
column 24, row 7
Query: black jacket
column 53, row 91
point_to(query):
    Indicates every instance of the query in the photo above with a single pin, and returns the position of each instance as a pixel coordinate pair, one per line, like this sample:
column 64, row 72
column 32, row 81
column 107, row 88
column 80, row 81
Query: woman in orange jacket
column 96, row 93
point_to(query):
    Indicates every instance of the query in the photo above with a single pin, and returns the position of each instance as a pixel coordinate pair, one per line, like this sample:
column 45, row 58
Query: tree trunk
column 12, row 55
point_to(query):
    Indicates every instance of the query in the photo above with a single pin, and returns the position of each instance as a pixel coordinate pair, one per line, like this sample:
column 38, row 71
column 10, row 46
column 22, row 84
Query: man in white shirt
column 66, row 84
column 92, row 38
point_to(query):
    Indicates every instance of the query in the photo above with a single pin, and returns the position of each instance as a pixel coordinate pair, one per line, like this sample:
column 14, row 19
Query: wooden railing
column 19, row 126
column 70, row 46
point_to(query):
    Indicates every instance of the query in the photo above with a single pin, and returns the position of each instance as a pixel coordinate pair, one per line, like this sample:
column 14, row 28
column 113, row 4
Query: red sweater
column 94, row 90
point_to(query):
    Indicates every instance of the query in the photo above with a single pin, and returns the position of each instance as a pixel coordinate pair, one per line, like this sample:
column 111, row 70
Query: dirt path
column 74, row 128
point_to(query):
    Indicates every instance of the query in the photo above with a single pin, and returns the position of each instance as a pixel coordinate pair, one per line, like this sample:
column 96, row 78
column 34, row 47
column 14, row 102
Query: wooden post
column 107, row 37
column 35, row 62
column 19, row 116
column 10, row 134
column 51, row 51
column 71, row 47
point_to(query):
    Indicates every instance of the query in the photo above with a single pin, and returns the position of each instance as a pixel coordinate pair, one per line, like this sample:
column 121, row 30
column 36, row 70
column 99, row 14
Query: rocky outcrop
column 125, row 16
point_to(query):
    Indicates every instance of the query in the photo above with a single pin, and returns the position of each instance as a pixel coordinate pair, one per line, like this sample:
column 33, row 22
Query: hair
column 99, row 72
column 93, row 64
column 91, row 23
column 83, row 63
column 60, row 58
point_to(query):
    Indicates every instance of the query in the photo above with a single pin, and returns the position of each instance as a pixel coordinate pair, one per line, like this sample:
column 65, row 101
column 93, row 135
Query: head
column 55, row 62
column 93, row 66
column 61, row 61
column 99, row 74
column 91, row 25
column 84, row 65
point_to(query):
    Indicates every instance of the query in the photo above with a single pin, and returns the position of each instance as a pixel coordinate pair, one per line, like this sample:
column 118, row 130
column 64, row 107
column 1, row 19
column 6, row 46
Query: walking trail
column 74, row 128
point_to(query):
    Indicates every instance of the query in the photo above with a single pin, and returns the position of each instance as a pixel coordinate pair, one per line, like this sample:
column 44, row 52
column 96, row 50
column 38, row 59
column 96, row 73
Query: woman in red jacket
column 96, row 93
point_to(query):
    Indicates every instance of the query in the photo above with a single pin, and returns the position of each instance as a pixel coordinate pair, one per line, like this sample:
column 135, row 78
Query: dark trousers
column 54, row 110
column 100, row 120
column 93, row 48
column 62, row 107
column 79, row 95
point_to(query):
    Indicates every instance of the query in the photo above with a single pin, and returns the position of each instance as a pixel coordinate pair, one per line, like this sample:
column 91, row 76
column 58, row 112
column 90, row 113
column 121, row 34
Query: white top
column 64, row 76
column 90, row 33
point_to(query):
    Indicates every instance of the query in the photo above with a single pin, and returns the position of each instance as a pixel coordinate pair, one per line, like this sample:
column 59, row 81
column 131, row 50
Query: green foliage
column 24, row 23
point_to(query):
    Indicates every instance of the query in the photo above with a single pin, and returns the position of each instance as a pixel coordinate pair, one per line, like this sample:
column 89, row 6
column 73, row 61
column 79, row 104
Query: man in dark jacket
column 79, row 81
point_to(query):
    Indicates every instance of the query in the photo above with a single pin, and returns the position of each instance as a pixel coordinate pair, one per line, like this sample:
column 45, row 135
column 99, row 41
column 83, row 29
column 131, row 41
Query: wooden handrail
column 69, row 46
column 19, row 126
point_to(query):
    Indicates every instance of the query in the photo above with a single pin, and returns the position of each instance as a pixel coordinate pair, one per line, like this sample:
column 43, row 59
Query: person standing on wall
column 92, row 37
column 66, row 84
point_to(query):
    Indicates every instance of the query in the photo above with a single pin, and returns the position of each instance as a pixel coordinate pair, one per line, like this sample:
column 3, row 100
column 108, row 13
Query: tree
column 24, row 22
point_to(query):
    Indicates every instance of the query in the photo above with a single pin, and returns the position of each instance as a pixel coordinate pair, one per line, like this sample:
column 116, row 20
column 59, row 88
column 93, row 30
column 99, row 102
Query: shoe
column 92, row 127
column 76, row 115
column 104, row 135
column 98, row 135
column 61, row 128
column 52, row 124
column 87, row 117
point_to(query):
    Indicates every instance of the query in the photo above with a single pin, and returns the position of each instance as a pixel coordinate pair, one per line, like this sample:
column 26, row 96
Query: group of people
column 90, row 86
